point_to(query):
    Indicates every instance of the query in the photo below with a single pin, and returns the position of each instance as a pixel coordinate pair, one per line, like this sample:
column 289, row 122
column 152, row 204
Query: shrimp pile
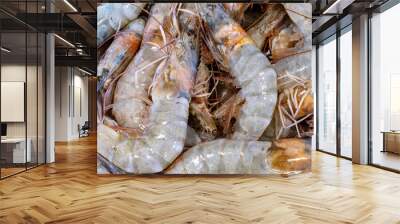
column 204, row 88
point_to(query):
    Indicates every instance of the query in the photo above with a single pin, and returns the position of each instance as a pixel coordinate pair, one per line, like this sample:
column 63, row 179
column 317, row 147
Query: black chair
column 84, row 130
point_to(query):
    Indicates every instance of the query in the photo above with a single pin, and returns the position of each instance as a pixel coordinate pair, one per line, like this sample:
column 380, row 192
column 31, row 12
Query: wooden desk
column 391, row 141
column 16, row 147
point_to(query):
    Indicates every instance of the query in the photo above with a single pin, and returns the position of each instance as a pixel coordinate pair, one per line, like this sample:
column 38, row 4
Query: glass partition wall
column 327, row 96
column 22, row 77
column 334, row 93
column 385, row 90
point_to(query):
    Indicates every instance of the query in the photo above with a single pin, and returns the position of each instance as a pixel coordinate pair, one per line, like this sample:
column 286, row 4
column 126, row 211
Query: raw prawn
column 223, row 156
column 164, row 136
column 248, row 65
column 120, row 52
column 131, row 101
column 112, row 17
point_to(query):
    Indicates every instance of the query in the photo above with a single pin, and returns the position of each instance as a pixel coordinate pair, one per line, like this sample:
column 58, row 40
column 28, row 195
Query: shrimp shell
column 112, row 17
column 120, row 52
column 250, row 68
column 223, row 156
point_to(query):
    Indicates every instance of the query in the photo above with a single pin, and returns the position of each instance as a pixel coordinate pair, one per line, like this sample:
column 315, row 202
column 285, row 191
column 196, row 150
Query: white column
column 50, row 92
column 360, row 90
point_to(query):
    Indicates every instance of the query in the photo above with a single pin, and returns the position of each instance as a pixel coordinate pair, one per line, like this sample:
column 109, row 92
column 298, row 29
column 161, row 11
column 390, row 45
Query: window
column 385, row 89
column 327, row 96
column 346, row 93
column 22, row 74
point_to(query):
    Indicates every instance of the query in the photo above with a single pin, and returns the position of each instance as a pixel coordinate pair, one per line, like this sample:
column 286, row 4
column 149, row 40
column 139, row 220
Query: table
column 16, row 147
column 391, row 141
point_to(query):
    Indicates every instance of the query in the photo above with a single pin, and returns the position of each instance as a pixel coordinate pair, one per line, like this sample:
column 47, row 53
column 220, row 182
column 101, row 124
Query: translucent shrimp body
column 112, row 17
column 120, row 52
column 223, row 156
column 129, row 107
column 164, row 136
column 249, row 66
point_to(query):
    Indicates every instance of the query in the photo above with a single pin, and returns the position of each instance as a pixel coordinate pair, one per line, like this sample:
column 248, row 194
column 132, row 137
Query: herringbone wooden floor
column 69, row 191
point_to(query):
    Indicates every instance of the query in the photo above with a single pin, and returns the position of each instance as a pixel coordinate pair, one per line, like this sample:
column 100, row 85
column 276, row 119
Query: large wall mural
column 204, row 88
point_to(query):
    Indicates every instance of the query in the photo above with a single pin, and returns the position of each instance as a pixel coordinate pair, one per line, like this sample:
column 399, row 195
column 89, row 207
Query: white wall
column 70, row 83
column 314, row 87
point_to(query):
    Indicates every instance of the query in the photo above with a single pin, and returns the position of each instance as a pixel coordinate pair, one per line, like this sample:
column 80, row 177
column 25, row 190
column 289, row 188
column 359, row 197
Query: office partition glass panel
column 22, row 77
column 385, row 89
column 327, row 96
column 41, row 99
column 14, row 146
column 346, row 93
column 32, row 97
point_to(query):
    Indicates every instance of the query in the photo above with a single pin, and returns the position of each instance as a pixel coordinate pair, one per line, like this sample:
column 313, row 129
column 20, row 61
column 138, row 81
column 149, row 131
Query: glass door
column 14, row 154
column 346, row 92
column 385, row 90
column 326, row 99
column 22, row 101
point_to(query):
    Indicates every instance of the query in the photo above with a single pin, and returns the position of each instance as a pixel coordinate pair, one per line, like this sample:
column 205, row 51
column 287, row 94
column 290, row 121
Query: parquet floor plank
column 70, row 191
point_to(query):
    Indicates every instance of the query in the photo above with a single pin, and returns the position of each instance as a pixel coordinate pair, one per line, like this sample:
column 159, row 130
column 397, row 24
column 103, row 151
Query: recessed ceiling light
column 5, row 50
column 84, row 71
column 70, row 5
column 64, row 40
column 337, row 7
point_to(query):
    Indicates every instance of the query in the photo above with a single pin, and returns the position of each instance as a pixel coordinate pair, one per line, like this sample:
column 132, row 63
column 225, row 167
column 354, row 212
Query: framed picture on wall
column 204, row 88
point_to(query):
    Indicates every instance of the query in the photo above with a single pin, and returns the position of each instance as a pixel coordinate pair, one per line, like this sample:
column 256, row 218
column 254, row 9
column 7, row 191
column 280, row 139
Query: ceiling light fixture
column 84, row 71
column 337, row 7
column 64, row 40
column 5, row 50
column 70, row 5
